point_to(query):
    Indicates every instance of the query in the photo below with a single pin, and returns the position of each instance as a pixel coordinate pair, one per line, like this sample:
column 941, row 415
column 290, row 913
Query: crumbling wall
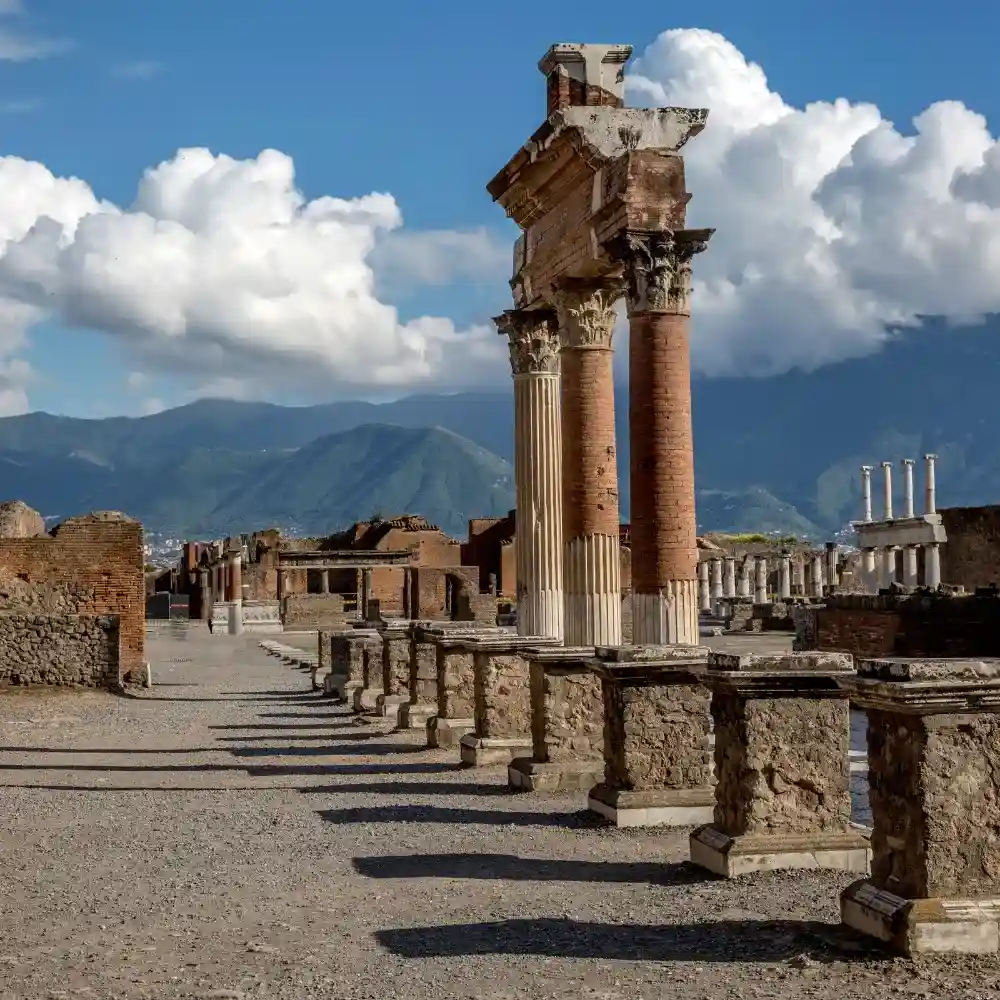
column 971, row 556
column 59, row 649
column 314, row 610
column 90, row 565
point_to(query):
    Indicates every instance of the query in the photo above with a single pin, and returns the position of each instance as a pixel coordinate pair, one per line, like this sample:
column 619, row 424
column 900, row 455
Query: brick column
column 538, row 540
column 591, row 553
column 664, row 547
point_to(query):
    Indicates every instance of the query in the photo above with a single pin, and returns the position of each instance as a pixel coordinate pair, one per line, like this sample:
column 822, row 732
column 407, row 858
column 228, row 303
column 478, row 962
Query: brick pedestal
column 782, row 746
column 934, row 790
column 502, row 700
column 567, row 723
column 657, row 737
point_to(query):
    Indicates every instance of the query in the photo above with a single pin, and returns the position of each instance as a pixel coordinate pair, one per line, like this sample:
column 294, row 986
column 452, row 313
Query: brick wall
column 868, row 626
column 89, row 565
column 313, row 610
column 971, row 556
column 59, row 649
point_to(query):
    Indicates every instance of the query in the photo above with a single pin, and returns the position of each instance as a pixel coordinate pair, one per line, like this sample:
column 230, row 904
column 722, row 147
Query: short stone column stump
column 422, row 680
column 567, row 723
column 456, row 698
column 657, row 748
column 365, row 697
column 934, row 789
column 782, row 766
column 347, row 662
column 395, row 669
column 502, row 700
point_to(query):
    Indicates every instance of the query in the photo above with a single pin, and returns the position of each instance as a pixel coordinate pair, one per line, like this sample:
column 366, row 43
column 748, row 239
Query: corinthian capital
column 534, row 340
column 658, row 268
column 586, row 311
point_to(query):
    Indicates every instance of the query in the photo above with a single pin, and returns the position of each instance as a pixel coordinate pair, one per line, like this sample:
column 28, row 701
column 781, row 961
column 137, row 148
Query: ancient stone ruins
column 678, row 681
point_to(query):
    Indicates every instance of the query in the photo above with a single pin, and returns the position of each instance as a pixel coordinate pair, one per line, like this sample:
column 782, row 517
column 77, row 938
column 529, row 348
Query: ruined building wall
column 90, row 565
column 59, row 649
column 971, row 556
column 314, row 611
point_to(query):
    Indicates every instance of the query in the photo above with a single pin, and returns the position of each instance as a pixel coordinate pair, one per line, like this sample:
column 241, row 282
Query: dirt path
column 229, row 834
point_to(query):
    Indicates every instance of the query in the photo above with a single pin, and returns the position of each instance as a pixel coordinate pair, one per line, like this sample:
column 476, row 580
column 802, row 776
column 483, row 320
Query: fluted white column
column 930, row 487
column 869, row 574
column 745, row 586
column 784, row 577
column 932, row 565
column 910, row 566
column 866, row 492
column 729, row 577
column 704, row 587
column 538, row 540
column 817, row 576
column 760, row 581
column 832, row 577
column 887, row 489
column 907, row 487
column 716, row 584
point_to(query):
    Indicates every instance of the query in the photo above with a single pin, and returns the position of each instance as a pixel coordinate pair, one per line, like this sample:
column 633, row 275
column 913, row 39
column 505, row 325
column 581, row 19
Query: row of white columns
column 718, row 579
column 879, row 568
column 930, row 489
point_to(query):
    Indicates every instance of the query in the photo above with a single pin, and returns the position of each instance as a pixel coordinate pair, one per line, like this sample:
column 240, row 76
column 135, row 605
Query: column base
column 669, row 618
column 333, row 686
column 528, row 775
column 448, row 733
column 365, row 699
column 414, row 716
column 483, row 751
column 733, row 856
column 387, row 705
column 922, row 926
column 541, row 614
column 653, row 807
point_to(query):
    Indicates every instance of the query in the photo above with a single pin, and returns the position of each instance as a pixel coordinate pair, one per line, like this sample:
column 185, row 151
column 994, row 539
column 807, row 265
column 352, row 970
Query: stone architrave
column 502, row 700
column 567, row 723
column 664, row 544
column 782, row 747
column 366, row 697
column 591, row 529
column 534, row 359
column 657, row 737
column 934, row 790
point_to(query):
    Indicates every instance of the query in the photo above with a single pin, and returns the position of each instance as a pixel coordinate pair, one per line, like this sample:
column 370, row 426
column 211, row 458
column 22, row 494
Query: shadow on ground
column 511, row 867
column 713, row 941
column 413, row 813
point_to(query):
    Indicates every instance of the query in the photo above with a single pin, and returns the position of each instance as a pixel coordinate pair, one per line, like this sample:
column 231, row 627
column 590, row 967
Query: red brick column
column 591, row 553
column 664, row 546
column 538, row 540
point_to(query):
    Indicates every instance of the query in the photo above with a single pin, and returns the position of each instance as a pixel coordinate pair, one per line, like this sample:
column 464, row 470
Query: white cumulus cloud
column 833, row 224
column 222, row 270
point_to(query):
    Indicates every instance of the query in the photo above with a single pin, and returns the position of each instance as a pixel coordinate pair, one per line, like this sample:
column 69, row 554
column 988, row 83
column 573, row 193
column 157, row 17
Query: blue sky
column 425, row 101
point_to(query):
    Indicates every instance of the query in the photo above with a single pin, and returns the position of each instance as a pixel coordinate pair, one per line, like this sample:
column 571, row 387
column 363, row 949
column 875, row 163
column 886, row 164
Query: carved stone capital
column 533, row 336
column 658, row 267
column 586, row 311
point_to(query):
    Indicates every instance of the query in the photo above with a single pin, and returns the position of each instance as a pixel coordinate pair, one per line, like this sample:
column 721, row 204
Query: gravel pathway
column 229, row 834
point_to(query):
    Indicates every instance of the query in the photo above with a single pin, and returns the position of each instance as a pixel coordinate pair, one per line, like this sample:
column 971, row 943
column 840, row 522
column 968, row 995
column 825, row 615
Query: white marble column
column 932, row 565
column 887, row 489
column 236, row 585
column 888, row 574
column 799, row 576
column 784, row 577
column 729, row 577
column 760, row 581
column 534, row 359
column 704, row 588
column 817, row 576
column 869, row 573
column 930, row 486
column 716, row 584
column 907, row 487
column 910, row 566
column 866, row 492
column 832, row 576
column 745, row 586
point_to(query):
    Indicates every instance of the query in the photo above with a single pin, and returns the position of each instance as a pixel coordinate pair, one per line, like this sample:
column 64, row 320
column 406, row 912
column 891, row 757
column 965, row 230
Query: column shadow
column 414, row 813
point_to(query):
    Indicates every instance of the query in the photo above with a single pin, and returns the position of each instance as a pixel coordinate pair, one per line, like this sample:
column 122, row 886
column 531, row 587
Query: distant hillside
column 751, row 510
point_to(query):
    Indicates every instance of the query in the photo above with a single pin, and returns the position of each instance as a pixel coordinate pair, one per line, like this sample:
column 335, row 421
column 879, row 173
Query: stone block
column 387, row 705
column 446, row 733
column 782, row 766
column 934, row 792
column 657, row 727
column 485, row 751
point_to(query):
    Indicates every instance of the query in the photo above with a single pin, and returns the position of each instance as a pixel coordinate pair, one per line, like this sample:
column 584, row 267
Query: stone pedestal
column 502, row 700
column 657, row 747
column 455, row 716
column 567, row 723
column 934, row 789
column 347, row 662
column 421, row 682
column 366, row 697
column 782, row 747
column 395, row 670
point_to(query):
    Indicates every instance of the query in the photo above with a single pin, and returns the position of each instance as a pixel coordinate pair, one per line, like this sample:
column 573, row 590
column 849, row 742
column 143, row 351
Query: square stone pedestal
column 395, row 669
column 934, row 789
column 365, row 698
column 501, row 699
column 567, row 723
column 657, row 765
column 447, row 733
column 388, row 705
column 455, row 687
column 347, row 660
column 782, row 766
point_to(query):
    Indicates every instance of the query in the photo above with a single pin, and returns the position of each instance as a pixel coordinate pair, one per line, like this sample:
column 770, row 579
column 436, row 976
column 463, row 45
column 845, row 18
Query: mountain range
column 778, row 454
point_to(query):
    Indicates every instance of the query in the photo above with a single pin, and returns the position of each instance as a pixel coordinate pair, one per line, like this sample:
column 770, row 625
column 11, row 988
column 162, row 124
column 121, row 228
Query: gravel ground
column 229, row 834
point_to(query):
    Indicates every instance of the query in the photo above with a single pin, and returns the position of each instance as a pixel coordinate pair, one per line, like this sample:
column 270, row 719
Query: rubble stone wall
column 502, row 695
column 59, row 649
column 313, row 610
column 567, row 718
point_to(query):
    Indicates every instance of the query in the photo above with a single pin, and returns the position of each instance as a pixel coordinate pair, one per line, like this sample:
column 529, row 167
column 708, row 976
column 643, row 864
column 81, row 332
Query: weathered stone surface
column 18, row 520
column 567, row 711
column 396, row 663
column 59, row 649
column 502, row 693
column 422, row 681
column 456, row 693
column 371, row 663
